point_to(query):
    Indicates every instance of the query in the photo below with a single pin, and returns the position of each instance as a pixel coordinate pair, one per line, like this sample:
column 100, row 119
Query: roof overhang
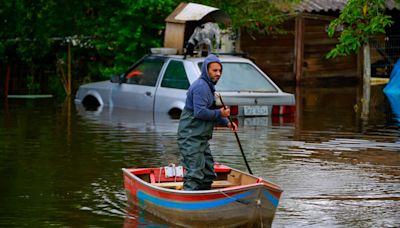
column 333, row 5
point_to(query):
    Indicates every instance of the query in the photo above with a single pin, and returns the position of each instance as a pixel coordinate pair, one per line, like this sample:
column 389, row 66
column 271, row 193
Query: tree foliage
column 118, row 33
column 130, row 31
column 359, row 20
column 258, row 16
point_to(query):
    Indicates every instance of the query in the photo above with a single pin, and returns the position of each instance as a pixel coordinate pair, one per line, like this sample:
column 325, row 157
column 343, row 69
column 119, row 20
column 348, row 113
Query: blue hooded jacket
column 200, row 96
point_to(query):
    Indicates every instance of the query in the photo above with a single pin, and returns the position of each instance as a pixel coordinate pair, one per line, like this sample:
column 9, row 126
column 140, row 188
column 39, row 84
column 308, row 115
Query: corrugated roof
column 320, row 5
column 331, row 5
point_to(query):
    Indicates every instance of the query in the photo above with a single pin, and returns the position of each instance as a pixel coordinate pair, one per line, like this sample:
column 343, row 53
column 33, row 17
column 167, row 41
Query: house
column 298, row 56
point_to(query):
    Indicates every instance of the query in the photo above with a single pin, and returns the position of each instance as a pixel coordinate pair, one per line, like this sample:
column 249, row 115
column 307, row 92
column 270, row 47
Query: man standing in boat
column 196, row 126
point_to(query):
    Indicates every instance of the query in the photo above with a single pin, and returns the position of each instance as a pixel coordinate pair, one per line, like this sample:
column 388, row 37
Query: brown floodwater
column 60, row 165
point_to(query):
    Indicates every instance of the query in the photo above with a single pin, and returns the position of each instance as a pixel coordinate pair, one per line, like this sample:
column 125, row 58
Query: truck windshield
column 242, row 77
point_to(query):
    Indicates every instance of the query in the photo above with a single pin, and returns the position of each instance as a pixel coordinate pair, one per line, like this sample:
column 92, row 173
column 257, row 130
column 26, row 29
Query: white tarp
column 194, row 12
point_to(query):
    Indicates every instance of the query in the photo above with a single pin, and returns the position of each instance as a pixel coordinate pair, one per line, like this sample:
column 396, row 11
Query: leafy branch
column 256, row 16
column 360, row 19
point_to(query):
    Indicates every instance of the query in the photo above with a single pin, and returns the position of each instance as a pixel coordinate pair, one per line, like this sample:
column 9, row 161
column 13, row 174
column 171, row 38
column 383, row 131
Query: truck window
column 146, row 73
column 175, row 76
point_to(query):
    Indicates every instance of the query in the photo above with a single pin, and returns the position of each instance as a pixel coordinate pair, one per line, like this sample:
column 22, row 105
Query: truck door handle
column 148, row 93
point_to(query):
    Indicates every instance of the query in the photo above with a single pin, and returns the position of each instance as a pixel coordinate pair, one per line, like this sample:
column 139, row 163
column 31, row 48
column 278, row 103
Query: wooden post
column 7, row 82
column 359, row 91
column 366, row 82
column 299, row 48
column 299, row 108
column 69, row 70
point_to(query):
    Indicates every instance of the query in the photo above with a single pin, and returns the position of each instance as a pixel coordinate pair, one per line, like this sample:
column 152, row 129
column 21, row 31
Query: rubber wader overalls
column 195, row 129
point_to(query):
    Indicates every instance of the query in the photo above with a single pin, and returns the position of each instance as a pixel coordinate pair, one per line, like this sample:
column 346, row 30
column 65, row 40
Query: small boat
column 235, row 199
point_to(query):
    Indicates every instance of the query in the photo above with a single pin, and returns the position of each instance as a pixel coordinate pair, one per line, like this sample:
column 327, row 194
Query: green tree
column 130, row 31
column 117, row 31
column 32, row 27
column 20, row 28
column 258, row 16
column 359, row 20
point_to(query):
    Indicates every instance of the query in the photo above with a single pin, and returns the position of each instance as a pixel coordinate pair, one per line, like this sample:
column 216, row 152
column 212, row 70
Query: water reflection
column 139, row 120
column 162, row 122
column 137, row 217
column 61, row 165
column 394, row 100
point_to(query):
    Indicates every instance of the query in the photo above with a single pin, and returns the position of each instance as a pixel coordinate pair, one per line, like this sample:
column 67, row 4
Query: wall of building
column 316, row 45
column 275, row 54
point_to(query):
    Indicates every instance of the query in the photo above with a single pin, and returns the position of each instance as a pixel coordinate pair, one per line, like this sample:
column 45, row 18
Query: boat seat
column 179, row 185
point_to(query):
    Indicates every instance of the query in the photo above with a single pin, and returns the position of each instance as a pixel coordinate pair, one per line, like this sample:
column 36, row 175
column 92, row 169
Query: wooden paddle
column 237, row 137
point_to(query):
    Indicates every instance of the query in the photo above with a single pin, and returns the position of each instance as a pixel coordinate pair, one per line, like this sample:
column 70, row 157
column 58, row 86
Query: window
column 242, row 77
column 146, row 73
column 175, row 76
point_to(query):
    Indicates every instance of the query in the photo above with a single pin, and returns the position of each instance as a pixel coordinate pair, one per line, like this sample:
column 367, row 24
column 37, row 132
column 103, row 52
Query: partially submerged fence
column 385, row 51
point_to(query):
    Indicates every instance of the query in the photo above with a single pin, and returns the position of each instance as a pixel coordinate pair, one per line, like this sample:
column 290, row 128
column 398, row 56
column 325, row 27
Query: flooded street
column 61, row 165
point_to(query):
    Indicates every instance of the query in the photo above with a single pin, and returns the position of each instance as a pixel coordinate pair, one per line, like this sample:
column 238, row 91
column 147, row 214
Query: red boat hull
column 250, row 204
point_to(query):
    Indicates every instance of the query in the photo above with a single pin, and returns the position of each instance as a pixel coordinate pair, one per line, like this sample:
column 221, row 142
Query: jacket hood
column 204, row 72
